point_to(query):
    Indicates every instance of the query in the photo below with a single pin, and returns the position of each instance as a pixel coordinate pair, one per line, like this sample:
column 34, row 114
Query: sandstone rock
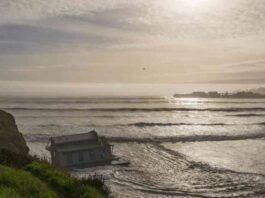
column 10, row 138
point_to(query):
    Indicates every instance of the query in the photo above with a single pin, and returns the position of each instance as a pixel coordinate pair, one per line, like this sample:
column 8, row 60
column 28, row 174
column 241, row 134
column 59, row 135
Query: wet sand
column 242, row 156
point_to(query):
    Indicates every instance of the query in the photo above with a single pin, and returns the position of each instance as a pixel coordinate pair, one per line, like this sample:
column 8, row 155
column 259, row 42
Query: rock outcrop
column 10, row 138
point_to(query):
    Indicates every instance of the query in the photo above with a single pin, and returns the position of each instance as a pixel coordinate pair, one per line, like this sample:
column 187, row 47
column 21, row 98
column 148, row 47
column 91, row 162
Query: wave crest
column 139, row 109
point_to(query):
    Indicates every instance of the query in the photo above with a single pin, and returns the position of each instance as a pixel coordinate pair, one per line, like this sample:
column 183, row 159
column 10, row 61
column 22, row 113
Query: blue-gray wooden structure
column 80, row 150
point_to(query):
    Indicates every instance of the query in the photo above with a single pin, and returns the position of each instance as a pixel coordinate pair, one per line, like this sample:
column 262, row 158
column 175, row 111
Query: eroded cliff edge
column 10, row 137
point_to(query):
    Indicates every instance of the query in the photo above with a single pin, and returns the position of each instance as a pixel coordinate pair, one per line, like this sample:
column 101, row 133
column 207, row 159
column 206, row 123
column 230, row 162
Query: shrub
column 6, row 192
column 20, row 184
column 58, row 180
column 63, row 183
column 9, row 158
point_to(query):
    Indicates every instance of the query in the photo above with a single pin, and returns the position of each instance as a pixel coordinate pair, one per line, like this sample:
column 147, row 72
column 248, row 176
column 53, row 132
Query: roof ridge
column 92, row 135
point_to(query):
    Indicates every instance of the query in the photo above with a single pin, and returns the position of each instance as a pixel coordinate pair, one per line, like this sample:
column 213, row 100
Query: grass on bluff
column 63, row 183
column 20, row 184
column 30, row 177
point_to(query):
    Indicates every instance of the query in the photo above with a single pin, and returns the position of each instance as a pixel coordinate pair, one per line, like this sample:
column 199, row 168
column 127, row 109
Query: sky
column 47, row 44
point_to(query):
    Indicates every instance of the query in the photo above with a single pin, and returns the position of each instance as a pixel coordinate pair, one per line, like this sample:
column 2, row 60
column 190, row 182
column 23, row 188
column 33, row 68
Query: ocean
column 177, row 147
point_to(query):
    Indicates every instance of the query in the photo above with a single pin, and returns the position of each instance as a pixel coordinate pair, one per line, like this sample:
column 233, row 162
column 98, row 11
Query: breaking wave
column 152, row 124
column 140, row 109
column 193, row 138
column 148, row 124
column 248, row 115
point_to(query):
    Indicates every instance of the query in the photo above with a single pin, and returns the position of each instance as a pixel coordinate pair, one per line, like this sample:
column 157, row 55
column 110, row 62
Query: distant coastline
column 215, row 94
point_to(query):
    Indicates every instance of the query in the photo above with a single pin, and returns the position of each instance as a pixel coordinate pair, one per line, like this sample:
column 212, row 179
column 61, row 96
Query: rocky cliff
column 10, row 138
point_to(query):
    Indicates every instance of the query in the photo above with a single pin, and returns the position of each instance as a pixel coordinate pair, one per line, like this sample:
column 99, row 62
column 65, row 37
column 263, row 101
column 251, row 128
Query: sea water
column 177, row 147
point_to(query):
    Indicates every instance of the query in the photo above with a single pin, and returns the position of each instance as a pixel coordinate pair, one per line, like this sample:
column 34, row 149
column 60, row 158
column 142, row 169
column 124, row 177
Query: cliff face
column 10, row 138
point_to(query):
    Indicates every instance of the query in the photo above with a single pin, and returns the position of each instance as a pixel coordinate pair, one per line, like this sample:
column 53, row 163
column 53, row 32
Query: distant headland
column 215, row 94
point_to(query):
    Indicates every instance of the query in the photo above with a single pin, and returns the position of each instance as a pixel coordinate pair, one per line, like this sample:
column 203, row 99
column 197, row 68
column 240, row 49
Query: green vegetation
column 30, row 177
column 20, row 184
column 61, row 182
column 25, row 176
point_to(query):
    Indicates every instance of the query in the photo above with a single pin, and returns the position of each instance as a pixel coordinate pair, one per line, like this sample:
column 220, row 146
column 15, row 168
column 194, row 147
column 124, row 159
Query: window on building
column 81, row 156
column 69, row 158
column 103, row 154
column 92, row 155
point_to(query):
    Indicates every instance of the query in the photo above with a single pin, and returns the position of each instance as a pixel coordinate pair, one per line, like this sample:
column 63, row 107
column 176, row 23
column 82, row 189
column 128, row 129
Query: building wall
column 85, row 156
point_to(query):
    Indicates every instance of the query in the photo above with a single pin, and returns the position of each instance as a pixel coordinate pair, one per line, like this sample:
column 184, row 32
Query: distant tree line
column 215, row 94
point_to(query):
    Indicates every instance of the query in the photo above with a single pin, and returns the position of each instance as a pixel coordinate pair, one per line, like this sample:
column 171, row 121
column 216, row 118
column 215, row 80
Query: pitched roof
column 92, row 136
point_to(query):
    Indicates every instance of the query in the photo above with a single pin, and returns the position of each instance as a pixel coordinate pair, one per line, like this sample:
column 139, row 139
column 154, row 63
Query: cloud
column 172, row 19
column 18, row 38
column 111, row 40
column 125, row 18
column 215, row 18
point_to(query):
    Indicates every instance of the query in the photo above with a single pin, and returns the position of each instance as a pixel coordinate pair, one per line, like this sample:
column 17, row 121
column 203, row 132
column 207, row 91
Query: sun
column 196, row 4
column 187, row 6
column 191, row 5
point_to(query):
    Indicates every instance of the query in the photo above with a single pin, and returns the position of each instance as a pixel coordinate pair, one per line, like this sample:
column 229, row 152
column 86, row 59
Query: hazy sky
column 125, row 41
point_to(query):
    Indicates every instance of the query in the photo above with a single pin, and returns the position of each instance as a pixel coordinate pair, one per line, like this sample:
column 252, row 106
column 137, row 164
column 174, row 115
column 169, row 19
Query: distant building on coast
column 80, row 150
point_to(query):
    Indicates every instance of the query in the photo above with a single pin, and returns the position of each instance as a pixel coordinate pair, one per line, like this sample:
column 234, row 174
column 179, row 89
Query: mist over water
column 177, row 147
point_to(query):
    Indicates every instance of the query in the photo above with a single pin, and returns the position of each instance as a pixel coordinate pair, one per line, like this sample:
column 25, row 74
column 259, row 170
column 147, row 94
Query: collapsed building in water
column 80, row 150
